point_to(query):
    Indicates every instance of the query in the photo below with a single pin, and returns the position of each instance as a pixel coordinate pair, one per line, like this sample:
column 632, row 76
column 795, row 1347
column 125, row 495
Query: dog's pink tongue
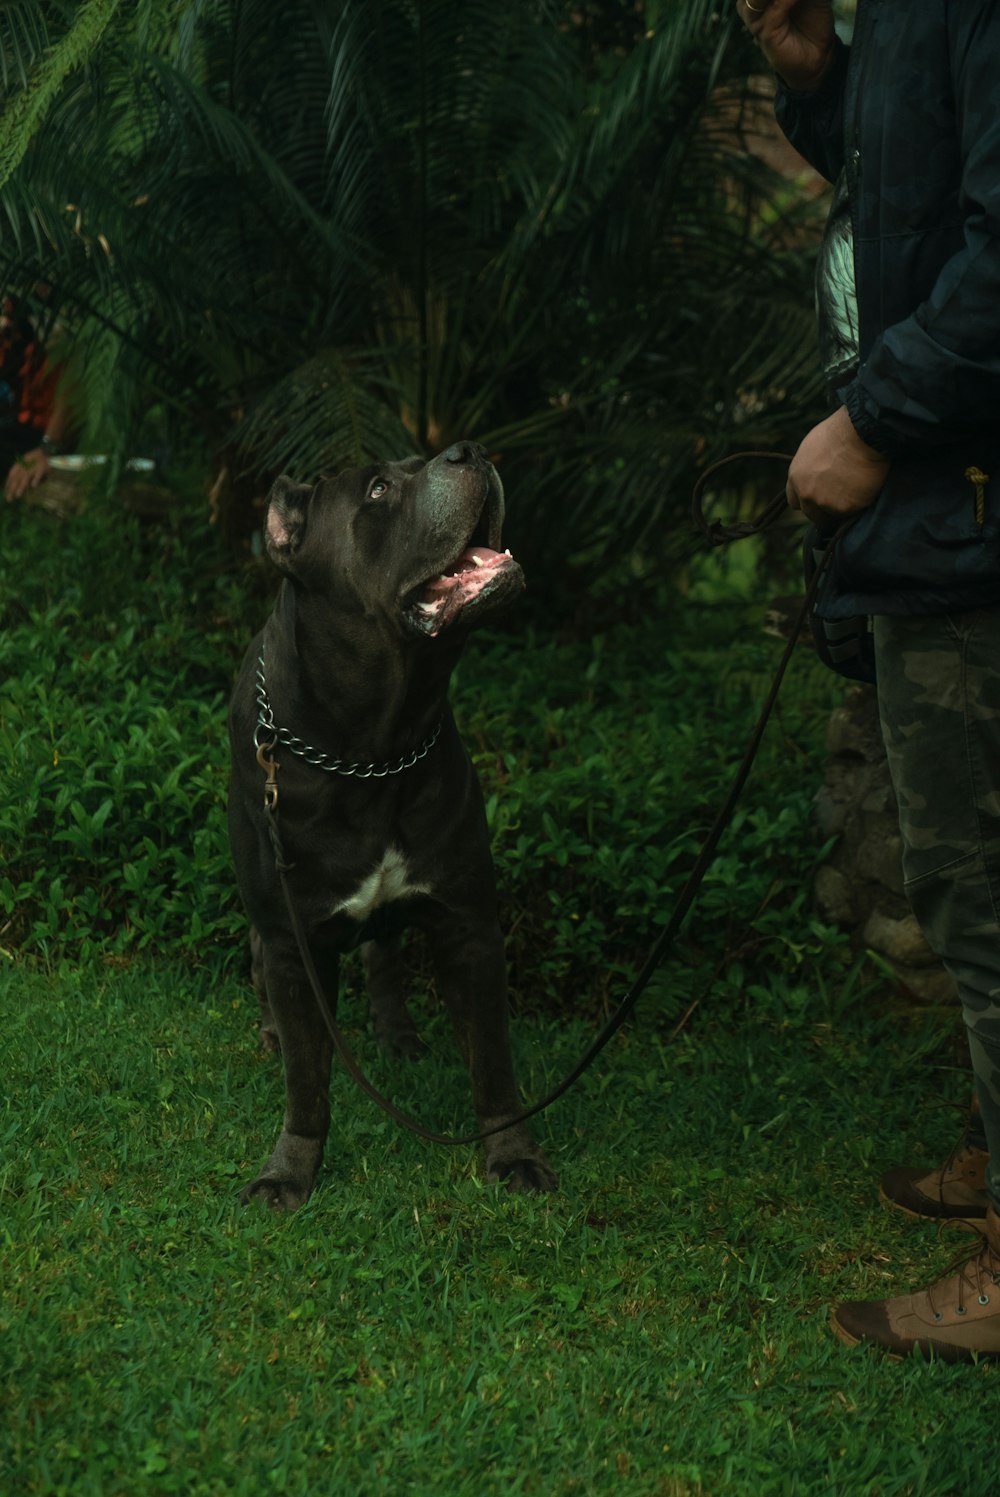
column 474, row 559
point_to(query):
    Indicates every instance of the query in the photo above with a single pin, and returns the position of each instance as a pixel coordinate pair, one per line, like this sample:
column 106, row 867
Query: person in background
column 33, row 417
column 906, row 124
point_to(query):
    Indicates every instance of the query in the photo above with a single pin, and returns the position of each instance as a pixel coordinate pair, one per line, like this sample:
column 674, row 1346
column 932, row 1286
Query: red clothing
column 27, row 383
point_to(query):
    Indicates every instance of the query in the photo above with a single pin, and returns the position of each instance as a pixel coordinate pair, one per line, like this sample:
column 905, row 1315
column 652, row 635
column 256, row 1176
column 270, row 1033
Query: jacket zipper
column 863, row 23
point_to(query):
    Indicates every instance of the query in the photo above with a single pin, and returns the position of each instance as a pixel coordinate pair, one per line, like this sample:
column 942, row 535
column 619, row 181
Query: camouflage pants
column 939, row 700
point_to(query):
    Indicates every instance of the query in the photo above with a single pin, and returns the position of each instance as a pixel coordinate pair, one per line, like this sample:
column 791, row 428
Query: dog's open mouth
column 477, row 578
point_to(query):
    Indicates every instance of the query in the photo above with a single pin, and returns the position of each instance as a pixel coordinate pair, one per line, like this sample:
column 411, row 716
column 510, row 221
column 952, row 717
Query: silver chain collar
column 267, row 730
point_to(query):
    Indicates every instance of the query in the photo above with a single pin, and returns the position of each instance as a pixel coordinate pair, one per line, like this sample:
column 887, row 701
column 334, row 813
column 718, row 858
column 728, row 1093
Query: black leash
column 718, row 535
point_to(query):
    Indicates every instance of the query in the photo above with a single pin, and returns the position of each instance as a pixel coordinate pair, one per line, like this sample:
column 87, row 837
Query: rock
column 879, row 857
column 902, row 941
column 854, row 727
column 860, row 885
column 927, row 984
column 833, row 896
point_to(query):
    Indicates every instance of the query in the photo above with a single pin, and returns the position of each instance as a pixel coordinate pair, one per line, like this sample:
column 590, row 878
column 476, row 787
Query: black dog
column 386, row 568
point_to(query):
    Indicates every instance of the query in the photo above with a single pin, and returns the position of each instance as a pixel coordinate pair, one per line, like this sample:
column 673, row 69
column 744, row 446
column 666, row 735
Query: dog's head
column 418, row 540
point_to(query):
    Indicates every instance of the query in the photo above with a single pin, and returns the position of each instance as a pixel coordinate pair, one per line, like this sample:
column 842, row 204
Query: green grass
column 658, row 1326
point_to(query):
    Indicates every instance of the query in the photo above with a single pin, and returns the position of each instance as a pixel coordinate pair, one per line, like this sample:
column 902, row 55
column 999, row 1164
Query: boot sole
column 848, row 1340
column 978, row 1222
column 951, row 1356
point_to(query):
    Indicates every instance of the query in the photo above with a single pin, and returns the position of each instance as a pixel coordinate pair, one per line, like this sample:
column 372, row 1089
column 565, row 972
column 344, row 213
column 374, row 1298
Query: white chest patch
column 388, row 882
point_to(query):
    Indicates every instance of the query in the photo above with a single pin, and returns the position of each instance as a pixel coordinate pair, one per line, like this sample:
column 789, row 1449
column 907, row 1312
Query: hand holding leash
column 834, row 474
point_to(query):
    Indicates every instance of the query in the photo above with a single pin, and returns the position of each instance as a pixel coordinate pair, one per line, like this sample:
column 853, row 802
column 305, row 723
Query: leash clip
column 270, row 766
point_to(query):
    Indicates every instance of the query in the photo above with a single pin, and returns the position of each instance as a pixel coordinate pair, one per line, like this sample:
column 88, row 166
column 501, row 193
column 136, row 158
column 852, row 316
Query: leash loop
column 714, row 531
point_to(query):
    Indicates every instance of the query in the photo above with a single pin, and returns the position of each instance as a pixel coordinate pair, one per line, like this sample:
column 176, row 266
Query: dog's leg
column 387, row 981
column 306, row 1051
column 471, row 976
column 268, row 1028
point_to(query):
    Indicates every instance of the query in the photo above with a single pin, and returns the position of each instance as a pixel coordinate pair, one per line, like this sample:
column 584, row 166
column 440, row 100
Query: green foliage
column 324, row 235
column 657, row 1327
column 22, row 46
column 116, row 653
column 603, row 761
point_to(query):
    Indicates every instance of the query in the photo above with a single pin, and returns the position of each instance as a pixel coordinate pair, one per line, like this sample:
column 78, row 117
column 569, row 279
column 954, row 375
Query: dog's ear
column 285, row 525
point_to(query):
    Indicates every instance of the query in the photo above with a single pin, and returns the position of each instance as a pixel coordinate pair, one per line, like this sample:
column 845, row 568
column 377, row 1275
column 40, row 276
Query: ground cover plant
column 659, row 1326
column 604, row 752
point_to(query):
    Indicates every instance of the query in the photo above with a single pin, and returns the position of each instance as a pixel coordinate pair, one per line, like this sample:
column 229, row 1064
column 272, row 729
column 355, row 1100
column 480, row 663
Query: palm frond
column 23, row 38
column 336, row 232
column 328, row 413
column 27, row 108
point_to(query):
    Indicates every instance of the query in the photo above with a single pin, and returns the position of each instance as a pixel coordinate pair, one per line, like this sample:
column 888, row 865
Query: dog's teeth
column 478, row 560
column 507, row 553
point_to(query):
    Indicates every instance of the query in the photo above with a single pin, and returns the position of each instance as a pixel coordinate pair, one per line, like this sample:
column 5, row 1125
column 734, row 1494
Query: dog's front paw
column 280, row 1193
column 406, row 1045
column 285, row 1182
column 526, row 1170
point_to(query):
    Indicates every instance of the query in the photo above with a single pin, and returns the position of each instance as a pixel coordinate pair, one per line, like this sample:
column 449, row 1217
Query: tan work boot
column 953, row 1191
column 956, row 1319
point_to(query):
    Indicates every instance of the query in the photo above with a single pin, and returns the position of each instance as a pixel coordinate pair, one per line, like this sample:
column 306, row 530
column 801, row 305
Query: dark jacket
column 909, row 120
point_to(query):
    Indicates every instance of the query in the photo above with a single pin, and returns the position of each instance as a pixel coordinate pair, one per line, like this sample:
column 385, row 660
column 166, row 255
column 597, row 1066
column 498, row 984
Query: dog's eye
column 377, row 489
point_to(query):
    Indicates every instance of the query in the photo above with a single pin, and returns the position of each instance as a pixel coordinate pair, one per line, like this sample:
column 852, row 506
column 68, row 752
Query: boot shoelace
column 978, row 1271
column 958, row 1165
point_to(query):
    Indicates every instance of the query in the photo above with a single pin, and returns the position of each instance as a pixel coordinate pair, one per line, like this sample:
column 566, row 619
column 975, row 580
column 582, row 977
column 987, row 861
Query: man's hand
column 834, row 474
column 26, row 473
column 796, row 37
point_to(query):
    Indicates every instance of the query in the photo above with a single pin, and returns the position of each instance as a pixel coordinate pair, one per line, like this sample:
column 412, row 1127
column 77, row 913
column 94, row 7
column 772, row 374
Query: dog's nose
column 464, row 452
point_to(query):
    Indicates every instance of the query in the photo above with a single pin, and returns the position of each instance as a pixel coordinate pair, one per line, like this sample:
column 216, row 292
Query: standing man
column 906, row 124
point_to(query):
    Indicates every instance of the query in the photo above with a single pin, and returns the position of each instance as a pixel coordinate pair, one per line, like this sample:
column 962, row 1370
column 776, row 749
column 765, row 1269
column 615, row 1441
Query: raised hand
column 796, row 37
